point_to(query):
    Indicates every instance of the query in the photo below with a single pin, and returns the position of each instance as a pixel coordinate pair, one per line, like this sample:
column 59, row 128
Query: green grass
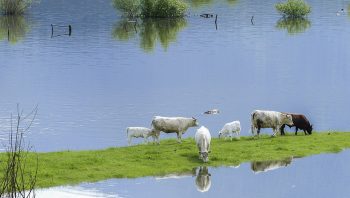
column 72, row 167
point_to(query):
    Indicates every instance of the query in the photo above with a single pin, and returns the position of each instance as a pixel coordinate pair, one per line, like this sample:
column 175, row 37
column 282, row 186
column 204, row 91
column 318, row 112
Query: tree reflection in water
column 293, row 25
column 150, row 31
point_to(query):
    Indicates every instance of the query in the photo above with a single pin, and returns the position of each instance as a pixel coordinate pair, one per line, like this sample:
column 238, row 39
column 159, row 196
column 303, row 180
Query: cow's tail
column 251, row 123
column 127, row 131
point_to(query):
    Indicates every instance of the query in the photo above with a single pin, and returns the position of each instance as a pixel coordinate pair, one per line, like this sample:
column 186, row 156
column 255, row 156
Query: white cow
column 203, row 138
column 230, row 128
column 177, row 125
column 138, row 132
column 269, row 119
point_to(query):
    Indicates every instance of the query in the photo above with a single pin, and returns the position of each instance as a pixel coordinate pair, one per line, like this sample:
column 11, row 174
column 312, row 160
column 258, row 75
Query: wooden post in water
column 216, row 22
column 70, row 30
column 51, row 30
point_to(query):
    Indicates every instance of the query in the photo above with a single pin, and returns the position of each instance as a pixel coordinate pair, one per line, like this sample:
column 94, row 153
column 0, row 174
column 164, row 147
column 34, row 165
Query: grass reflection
column 13, row 28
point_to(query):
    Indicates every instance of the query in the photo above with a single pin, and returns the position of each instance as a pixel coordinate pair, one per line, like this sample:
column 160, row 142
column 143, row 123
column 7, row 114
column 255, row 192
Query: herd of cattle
column 259, row 119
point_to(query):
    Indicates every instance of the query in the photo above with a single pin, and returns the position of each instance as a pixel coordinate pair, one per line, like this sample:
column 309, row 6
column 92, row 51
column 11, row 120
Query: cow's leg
column 258, row 131
column 129, row 140
column 305, row 132
column 199, row 152
column 275, row 130
column 296, row 130
column 146, row 139
column 179, row 136
column 282, row 129
column 252, row 128
column 157, row 134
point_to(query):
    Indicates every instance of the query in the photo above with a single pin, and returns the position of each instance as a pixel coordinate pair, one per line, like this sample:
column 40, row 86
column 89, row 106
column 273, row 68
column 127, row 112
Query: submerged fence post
column 216, row 22
column 70, row 30
column 252, row 20
column 51, row 30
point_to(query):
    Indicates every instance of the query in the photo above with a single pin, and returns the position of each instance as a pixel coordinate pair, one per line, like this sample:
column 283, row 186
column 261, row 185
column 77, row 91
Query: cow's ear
column 194, row 118
column 209, row 151
column 199, row 152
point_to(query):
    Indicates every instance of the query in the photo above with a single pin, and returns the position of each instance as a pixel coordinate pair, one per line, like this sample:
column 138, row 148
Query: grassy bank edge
column 73, row 167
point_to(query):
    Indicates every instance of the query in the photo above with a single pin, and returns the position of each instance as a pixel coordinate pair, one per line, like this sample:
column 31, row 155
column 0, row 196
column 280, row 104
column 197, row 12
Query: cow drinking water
column 203, row 138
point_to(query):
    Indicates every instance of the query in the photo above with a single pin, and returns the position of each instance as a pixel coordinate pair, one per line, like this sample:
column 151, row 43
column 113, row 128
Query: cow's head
column 287, row 119
column 195, row 122
column 221, row 134
column 309, row 130
column 204, row 156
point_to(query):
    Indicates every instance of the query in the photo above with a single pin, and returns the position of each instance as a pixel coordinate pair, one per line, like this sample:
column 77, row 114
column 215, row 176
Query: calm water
column 110, row 74
column 317, row 176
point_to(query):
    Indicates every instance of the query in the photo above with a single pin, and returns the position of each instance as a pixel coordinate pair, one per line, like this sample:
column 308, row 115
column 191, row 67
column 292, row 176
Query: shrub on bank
column 14, row 7
column 293, row 8
column 151, row 8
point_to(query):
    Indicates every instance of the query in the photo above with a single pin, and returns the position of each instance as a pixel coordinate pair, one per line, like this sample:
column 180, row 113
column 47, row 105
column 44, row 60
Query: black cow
column 299, row 122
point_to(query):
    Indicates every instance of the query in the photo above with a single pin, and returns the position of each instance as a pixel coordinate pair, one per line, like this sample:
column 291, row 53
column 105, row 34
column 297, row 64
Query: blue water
column 93, row 84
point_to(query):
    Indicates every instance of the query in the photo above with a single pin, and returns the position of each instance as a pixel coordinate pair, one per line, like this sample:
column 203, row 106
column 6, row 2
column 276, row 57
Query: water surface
column 109, row 75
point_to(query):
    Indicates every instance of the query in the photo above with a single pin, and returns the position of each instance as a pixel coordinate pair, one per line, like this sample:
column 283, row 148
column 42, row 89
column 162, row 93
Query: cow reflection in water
column 203, row 182
column 265, row 166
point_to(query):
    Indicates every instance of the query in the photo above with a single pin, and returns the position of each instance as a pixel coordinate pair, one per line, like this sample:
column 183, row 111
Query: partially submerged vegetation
column 293, row 8
column 72, row 167
column 13, row 28
column 151, row 8
column 293, row 26
column 14, row 7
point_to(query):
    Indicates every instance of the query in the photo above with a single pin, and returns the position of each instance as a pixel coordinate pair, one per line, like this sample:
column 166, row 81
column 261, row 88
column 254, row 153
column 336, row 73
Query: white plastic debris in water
column 213, row 111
